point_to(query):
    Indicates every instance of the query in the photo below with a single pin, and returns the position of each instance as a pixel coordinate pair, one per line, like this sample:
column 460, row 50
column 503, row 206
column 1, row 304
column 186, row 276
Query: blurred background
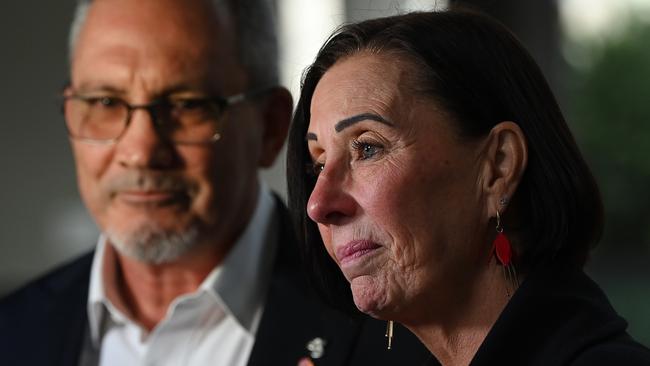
column 595, row 53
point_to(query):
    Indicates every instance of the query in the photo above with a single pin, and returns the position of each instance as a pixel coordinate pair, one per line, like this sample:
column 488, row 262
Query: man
column 171, row 108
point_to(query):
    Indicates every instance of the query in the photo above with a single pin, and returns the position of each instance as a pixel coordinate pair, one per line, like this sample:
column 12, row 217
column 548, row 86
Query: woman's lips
column 355, row 250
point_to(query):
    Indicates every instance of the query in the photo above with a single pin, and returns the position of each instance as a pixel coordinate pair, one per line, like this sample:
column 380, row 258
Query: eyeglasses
column 103, row 119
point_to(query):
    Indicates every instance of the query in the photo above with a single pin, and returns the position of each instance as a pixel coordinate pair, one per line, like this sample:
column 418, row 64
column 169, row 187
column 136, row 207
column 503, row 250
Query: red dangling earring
column 503, row 252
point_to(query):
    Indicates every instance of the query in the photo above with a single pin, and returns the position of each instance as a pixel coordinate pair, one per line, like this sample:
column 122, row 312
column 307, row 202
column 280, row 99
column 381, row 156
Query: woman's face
column 397, row 200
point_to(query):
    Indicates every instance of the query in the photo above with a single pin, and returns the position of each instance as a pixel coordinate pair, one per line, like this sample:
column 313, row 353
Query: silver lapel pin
column 316, row 347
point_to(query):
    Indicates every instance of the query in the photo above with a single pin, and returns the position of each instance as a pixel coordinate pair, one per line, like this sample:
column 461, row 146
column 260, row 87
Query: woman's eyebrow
column 347, row 122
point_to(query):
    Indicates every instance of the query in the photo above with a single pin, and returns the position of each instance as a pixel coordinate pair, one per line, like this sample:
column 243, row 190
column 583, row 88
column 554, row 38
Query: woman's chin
column 369, row 297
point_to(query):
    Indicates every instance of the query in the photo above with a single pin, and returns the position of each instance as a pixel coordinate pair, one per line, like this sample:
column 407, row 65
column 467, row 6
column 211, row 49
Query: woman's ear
column 276, row 113
column 504, row 162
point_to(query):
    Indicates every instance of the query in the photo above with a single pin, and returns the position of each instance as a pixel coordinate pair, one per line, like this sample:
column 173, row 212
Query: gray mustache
column 148, row 181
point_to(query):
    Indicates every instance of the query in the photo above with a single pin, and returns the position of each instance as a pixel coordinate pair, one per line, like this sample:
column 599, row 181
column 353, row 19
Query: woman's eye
column 366, row 150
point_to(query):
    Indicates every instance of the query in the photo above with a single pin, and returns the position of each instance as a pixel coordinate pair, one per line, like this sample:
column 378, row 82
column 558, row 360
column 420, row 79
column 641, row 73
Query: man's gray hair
column 255, row 31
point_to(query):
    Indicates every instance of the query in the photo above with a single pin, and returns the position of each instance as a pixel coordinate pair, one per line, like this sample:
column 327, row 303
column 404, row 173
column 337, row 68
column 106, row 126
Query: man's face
column 148, row 194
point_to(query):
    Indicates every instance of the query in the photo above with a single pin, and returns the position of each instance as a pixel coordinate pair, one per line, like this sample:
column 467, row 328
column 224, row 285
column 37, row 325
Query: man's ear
column 504, row 162
column 276, row 115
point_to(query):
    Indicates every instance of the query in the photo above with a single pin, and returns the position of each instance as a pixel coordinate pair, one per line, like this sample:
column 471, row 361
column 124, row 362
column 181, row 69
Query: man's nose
column 330, row 202
column 142, row 146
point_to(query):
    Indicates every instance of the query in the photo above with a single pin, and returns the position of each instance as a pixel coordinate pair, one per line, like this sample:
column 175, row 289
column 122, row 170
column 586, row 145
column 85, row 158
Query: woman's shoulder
column 622, row 351
column 567, row 320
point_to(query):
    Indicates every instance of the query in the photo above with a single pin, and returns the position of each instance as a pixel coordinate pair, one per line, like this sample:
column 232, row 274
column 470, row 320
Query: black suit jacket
column 46, row 322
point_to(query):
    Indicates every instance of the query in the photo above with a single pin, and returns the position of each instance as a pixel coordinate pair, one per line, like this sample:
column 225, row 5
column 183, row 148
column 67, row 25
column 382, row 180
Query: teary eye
column 366, row 150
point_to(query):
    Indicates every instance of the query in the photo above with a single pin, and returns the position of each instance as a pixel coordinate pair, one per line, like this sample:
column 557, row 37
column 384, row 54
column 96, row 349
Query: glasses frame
column 223, row 103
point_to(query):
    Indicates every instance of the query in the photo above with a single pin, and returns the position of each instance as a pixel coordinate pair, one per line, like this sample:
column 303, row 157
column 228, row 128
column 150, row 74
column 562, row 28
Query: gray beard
column 153, row 245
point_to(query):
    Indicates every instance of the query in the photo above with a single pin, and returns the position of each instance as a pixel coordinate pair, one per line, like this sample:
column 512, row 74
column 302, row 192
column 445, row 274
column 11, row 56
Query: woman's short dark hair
column 477, row 71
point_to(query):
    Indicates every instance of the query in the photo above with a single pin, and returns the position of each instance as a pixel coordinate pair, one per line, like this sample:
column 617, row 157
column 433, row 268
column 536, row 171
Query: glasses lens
column 95, row 118
column 193, row 120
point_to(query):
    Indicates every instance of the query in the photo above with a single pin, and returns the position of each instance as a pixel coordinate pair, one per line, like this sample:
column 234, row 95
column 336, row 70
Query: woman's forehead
column 362, row 83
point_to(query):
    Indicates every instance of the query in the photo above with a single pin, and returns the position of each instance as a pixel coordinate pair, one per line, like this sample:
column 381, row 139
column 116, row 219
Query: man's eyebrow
column 99, row 87
column 347, row 122
column 103, row 87
column 190, row 88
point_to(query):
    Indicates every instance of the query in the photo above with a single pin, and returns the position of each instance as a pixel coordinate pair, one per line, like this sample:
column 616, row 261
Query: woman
column 445, row 184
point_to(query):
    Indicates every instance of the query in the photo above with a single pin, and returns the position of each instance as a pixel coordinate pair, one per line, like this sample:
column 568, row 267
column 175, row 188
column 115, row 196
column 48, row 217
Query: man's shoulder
column 43, row 322
column 66, row 283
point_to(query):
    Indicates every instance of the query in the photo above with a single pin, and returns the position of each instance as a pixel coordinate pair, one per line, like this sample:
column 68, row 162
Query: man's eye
column 105, row 102
column 189, row 104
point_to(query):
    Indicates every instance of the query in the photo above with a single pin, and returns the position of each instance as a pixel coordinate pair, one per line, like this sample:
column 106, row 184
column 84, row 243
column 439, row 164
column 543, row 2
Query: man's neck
column 147, row 289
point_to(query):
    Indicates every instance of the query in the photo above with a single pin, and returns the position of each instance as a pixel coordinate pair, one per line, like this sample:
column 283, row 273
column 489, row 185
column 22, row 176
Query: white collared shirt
column 216, row 325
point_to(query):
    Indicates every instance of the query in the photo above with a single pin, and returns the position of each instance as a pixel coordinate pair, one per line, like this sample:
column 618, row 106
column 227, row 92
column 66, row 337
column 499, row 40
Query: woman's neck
column 455, row 334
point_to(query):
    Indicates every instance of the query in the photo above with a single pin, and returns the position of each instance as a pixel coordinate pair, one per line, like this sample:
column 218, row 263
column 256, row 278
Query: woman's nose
column 330, row 203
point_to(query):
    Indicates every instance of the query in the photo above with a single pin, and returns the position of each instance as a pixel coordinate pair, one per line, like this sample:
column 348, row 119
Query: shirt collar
column 239, row 283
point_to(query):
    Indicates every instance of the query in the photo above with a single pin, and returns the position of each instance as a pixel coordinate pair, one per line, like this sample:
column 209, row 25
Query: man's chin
column 153, row 245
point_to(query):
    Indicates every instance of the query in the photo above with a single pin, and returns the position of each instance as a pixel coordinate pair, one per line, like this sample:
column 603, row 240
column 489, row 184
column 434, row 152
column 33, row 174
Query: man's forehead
column 174, row 18
column 184, row 39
